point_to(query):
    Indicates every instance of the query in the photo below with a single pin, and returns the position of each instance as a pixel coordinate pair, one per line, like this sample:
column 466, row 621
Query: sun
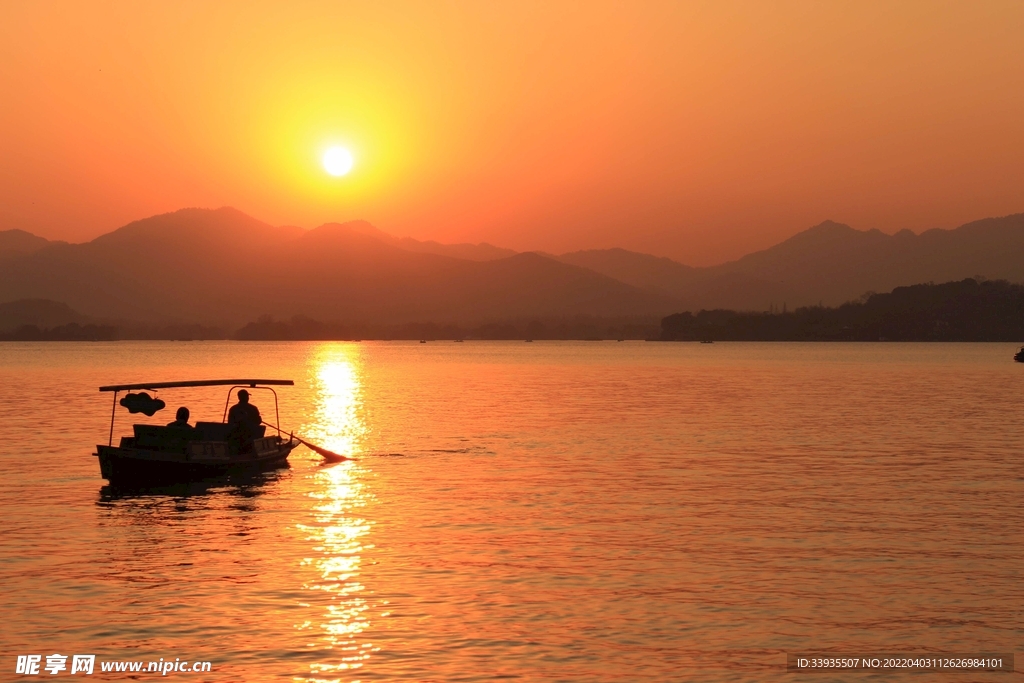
column 338, row 161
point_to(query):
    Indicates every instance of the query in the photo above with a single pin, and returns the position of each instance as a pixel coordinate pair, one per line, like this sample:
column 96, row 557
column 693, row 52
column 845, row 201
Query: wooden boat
column 1019, row 356
column 211, row 449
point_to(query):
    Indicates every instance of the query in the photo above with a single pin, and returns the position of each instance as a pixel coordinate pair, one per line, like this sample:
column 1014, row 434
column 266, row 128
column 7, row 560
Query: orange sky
column 700, row 131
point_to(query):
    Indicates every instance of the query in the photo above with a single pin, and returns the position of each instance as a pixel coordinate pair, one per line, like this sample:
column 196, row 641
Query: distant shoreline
column 964, row 311
column 1015, row 341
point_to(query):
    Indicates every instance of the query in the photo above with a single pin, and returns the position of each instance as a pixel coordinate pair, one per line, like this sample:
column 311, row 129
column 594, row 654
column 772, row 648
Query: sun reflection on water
column 337, row 422
column 338, row 530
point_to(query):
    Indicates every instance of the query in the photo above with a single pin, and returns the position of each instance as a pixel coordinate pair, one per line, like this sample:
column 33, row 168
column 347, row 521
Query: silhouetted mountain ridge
column 223, row 267
column 16, row 242
column 38, row 312
column 471, row 252
column 655, row 273
column 830, row 263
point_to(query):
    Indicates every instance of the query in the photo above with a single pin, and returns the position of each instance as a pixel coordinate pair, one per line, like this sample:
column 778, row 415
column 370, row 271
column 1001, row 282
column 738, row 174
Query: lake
column 554, row 511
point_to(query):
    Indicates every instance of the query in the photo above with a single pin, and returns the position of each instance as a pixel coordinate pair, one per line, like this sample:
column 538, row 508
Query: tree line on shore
column 302, row 328
column 69, row 332
column 577, row 327
column 967, row 310
column 104, row 332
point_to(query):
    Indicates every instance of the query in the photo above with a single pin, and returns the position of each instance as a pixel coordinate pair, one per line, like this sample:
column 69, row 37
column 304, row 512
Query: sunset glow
column 698, row 132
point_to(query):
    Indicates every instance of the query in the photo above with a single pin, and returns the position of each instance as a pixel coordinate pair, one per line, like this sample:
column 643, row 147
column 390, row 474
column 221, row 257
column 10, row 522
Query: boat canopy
column 200, row 383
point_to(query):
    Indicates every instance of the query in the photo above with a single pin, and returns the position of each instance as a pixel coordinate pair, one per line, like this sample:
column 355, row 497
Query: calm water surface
column 548, row 511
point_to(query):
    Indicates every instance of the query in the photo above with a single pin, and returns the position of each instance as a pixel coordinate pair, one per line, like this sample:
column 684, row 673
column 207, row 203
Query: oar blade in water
column 330, row 456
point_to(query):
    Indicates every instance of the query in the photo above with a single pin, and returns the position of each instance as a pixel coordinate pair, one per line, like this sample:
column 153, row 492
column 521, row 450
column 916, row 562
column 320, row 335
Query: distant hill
column 177, row 266
column 45, row 320
column 830, row 263
column 42, row 313
column 655, row 273
column 19, row 243
column 469, row 252
column 834, row 263
column 224, row 267
column 953, row 311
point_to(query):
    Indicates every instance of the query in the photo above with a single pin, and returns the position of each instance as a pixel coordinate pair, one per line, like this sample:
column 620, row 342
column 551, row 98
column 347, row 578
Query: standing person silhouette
column 245, row 421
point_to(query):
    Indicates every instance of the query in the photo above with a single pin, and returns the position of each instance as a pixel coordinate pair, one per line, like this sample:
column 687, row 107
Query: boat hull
column 120, row 465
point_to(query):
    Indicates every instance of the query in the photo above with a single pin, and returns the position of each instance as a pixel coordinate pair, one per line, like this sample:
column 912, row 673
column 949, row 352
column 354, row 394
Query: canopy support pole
column 113, row 412
column 277, row 414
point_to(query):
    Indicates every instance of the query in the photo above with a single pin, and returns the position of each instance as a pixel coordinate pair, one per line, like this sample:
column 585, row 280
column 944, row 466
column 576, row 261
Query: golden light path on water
column 337, row 531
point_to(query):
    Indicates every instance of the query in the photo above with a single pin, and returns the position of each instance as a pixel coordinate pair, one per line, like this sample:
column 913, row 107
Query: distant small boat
column 706, row 341
column 529, row 340
column 620, row 340
column 423, row 341
column 1019, row 356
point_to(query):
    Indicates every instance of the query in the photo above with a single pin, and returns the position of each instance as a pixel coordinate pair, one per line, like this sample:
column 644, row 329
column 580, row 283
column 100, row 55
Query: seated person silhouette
column 180, row 419
column 245, row 421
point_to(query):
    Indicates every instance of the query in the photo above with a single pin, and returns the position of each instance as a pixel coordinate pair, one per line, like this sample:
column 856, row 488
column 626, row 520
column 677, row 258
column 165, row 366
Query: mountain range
column 224, row 267
column 830, row 263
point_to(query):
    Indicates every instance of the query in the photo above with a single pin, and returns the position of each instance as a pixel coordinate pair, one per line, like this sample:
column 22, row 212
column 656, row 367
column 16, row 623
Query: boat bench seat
column 219, row 431
column 164, row 438
column 214, row 431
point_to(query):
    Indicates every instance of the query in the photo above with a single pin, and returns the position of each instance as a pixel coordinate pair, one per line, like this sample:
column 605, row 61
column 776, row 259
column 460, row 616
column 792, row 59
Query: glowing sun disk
column 338, row 161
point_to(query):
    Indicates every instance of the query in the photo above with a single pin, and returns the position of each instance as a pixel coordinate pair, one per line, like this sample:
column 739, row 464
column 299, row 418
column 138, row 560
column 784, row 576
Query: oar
column 329, row 456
